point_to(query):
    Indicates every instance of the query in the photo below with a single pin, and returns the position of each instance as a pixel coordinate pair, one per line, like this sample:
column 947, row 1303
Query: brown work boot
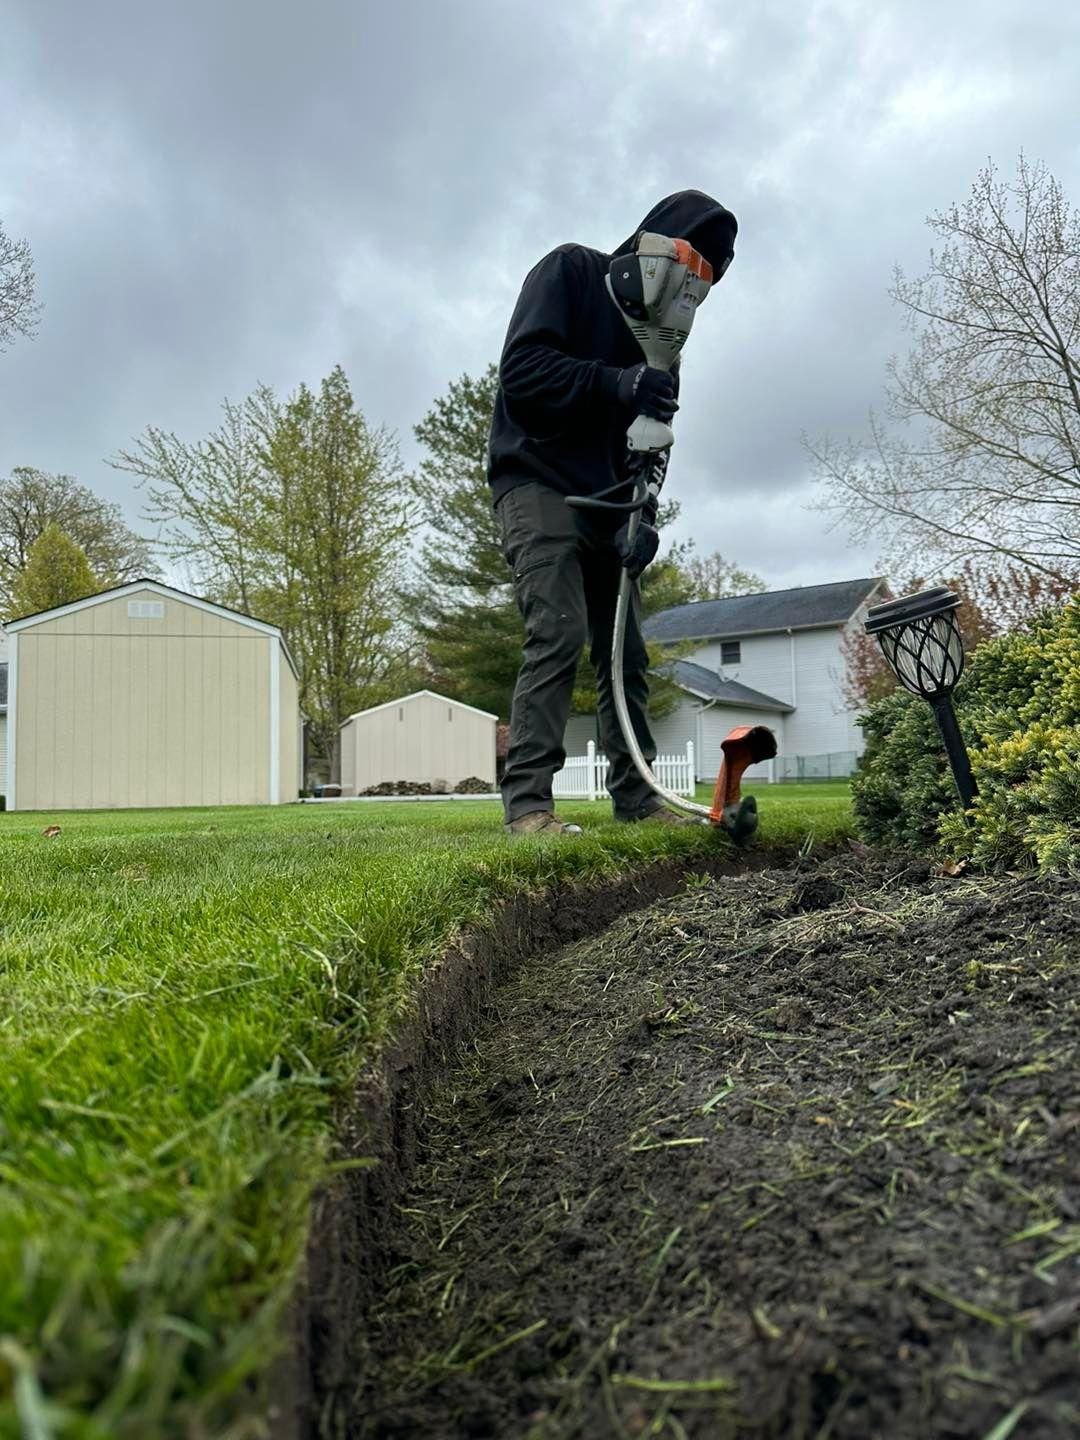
column 661, row 815
column 540, row 822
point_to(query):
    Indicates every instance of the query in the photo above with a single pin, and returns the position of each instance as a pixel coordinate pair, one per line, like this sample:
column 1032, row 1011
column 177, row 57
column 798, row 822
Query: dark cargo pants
column 566, row 575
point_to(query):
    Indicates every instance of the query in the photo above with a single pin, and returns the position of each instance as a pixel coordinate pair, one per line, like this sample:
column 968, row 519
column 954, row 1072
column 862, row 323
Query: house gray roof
column 708, row 685
column 806, row 608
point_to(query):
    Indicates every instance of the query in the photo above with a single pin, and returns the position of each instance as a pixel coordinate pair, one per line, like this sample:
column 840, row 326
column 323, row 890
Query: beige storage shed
column 423, row 737
column 146, row 696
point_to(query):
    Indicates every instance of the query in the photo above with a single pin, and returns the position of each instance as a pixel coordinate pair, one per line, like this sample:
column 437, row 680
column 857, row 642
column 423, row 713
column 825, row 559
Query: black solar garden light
column 922, row 642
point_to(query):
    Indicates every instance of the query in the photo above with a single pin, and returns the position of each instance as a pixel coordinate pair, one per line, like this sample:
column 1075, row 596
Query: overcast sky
column 218, row 194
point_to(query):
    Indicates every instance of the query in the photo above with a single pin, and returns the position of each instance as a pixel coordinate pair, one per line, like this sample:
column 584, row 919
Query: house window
column 730, row 652
column 3, row 683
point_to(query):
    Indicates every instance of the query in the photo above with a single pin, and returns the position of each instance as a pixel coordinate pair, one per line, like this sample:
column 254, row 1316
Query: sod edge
column 188, row 994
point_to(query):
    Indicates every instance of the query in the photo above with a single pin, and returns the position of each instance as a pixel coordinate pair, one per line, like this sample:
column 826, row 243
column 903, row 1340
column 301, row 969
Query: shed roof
column 131, row 587
column 807, row 607
column 417, row 695
column 708, row 685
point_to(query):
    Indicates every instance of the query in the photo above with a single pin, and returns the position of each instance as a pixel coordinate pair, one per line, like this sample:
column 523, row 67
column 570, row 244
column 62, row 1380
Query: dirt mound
column 473, row 785
column 794, row 1156
column 403, row 787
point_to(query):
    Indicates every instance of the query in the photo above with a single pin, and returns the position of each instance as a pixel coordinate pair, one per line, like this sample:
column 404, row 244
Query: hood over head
column 694, row 216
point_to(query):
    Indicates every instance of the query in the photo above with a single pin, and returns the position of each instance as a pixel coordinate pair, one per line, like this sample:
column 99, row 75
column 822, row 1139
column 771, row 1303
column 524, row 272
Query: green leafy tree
column 336, row 524
column 56, row 573
column 32, row 500
column 460, row 598
column 207, row 497
column 297, row 513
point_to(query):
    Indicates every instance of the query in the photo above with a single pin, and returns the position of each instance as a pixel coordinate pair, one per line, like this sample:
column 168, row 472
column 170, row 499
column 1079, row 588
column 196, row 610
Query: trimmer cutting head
column 735, row 812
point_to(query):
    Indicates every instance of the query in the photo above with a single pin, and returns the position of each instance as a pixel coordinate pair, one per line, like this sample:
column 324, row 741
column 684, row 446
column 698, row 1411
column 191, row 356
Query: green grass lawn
column 184, row 994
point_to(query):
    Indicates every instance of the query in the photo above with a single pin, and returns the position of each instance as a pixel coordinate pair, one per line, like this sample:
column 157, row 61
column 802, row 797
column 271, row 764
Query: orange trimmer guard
column 746, row 745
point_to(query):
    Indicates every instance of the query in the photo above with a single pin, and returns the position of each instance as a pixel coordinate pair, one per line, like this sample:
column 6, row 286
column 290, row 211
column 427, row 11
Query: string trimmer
column 658, row 289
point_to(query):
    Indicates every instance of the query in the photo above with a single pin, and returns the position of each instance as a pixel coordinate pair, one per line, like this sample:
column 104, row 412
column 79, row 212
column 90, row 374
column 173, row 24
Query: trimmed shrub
column 1019, row 709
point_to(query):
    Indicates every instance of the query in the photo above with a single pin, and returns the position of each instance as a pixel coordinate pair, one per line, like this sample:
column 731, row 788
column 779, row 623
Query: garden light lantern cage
column 921, row 640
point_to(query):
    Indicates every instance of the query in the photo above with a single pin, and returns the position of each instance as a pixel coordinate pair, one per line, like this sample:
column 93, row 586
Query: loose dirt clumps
column 794, row 1156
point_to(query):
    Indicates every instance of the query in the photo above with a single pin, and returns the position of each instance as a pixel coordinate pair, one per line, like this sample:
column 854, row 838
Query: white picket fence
column 583, row 776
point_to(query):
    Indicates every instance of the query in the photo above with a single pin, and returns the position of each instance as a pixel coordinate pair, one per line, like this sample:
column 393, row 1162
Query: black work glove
column 647, row 391
column 641, row 551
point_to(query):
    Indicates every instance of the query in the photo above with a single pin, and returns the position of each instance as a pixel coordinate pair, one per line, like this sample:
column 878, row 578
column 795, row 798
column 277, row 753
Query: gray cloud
column 222, row 194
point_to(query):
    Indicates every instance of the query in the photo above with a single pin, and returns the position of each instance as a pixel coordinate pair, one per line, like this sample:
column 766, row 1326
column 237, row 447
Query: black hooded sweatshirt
column 557, row 417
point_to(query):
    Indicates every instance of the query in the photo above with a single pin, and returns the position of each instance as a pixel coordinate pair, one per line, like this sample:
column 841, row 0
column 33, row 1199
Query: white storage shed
column 424, row 738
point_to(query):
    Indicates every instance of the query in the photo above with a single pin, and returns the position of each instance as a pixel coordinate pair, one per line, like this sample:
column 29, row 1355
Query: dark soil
column 793, row 1156
column 356, row 1216
column 472, row 785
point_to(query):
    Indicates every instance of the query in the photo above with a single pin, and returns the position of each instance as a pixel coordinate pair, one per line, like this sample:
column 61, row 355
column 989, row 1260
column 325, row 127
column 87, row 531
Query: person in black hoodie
column 571, row 380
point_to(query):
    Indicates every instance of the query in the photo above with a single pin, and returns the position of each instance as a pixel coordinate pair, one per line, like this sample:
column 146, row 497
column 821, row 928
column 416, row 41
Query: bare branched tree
column 31, row 501
column 18, row 310
column 981, row 460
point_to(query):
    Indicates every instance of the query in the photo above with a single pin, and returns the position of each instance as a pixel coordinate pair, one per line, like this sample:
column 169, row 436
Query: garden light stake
column 920, row 639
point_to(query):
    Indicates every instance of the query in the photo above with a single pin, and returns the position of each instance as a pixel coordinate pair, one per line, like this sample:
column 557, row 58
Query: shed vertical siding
column 118, row 711
column 348, row 758
column 420, row 738
column 289, row 730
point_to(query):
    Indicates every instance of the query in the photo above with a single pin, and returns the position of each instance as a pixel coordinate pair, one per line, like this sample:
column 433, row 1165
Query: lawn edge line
column 313, row 1376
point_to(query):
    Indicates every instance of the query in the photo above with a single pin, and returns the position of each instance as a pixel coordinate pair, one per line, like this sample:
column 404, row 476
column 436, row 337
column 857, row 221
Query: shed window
column 401, row 712
column 3, row 683
column 730, row 652
column 449, row 713
column 146, row 610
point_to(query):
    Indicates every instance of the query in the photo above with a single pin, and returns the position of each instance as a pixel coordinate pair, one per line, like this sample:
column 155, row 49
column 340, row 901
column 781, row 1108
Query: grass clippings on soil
column 796, row 1156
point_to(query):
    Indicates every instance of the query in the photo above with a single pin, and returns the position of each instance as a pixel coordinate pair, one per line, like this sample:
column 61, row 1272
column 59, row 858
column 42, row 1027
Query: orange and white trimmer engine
column 658, row 289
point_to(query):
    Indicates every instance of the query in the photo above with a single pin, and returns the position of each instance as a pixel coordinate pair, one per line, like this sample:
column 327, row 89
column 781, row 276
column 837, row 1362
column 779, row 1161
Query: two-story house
column 774, row 659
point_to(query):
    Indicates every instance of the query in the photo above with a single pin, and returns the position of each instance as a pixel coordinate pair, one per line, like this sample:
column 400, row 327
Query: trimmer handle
column 649, row 436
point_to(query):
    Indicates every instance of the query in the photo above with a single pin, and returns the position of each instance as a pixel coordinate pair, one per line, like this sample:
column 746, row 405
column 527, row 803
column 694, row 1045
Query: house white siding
column 806, row 670
column 690, row 720
column 764, row 664
column 821, row 722
column 800, row 668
